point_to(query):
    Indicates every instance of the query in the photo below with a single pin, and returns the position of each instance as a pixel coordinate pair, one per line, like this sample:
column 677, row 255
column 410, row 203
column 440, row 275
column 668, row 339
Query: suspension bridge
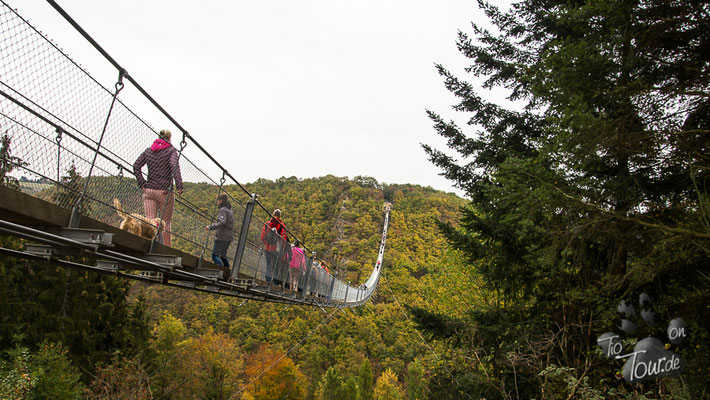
column 70, row 146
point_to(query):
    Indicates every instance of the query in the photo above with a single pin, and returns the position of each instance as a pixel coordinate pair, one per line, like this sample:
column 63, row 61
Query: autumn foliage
column 272, row 375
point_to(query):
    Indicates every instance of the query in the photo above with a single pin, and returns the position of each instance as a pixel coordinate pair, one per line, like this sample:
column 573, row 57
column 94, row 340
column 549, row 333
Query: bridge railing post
column 332, row 286
column 243, row 233
column 306, row 279
column 318, row 277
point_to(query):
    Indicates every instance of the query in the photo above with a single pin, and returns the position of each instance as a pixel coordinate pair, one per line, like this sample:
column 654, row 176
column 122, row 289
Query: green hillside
column 170, row 333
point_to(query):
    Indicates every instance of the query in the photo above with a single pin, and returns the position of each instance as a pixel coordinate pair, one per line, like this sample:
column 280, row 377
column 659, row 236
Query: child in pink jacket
column 297, row 266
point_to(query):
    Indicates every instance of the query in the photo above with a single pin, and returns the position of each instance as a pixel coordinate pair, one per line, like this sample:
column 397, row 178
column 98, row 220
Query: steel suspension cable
column 150, row 98
column 404, row 314
column 86, row 137
column 389, row 329
column 56, row 126
column 62, row 131
column 78, row 205
column 127, row 76
column 58, row 139
column 60, row 134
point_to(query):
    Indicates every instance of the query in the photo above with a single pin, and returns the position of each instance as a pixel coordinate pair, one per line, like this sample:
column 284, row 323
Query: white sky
column 338, row 87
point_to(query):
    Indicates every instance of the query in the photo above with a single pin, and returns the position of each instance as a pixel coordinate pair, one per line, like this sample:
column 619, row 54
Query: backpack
column 269, row 236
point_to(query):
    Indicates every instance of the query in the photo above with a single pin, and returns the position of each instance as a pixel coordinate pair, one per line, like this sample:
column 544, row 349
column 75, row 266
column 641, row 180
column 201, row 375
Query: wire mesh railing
column 78, row 145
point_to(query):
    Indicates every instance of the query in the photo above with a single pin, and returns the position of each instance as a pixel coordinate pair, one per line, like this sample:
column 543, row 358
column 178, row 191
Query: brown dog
column 137, row 224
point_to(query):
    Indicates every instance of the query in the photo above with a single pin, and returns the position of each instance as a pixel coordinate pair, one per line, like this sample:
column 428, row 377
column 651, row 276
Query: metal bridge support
column 75, row 217
column 243, row 232
column 306, row 279
column 332, row 286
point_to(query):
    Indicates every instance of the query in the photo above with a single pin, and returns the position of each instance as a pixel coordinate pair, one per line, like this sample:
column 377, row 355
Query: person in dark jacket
column 162, row 160
column 274, row 237
column 224, row 230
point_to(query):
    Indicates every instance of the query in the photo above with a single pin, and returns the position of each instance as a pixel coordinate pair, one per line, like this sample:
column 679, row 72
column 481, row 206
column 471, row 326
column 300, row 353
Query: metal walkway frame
column 58, row 118
column 109, row 250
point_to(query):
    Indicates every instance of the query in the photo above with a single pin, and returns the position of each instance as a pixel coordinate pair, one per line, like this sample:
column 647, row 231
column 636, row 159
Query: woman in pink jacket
column 297, row 266
column 158, row 197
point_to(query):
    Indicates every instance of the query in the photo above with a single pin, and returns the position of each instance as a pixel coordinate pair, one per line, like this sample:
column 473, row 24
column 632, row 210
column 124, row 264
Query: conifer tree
column 8, row 163
column 350, row 389
column 87, row 312
column 330, row 387
column 592, row 190
column 365, row 380
column 71, row 185
column 387, row 387
column 415, row 381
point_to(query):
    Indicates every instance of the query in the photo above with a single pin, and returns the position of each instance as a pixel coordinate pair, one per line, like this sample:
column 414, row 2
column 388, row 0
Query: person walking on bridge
column 163, row 167
column 274, row 237
column 224, row 230
column 297, row 267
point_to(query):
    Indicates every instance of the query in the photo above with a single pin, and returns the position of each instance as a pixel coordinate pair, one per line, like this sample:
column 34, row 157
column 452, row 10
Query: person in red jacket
column 274, row 237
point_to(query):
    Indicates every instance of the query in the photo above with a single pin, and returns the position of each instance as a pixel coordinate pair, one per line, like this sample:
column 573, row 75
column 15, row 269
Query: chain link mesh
column 57, row 118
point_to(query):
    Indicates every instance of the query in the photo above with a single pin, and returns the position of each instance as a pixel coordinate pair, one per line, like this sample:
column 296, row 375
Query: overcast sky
column 336, row 87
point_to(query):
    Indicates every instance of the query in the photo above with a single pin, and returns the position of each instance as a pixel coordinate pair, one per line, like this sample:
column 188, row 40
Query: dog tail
column 119, row 209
